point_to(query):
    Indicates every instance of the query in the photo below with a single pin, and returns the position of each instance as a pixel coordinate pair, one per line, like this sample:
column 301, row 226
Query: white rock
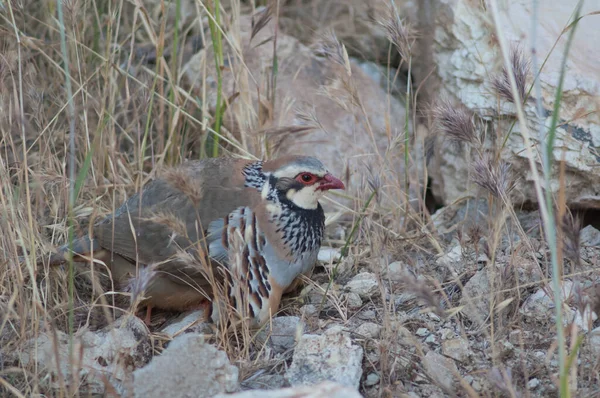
column 441, row 369
column 189, row 367
column 368, row 330
column 457, row 349
column 540, row 306
column 309, row 310
column 364, row 284
column 475, row 297
column 396, row 271
column 324, row 389
column 533, row 383
column 467, row 53
column 372, row 379
column 352, row 300
column 328, row 255
column 110, row 354
column 331, row 356
column 431, row 339
column 422, row 332
column 589, row 236
column 594, row 342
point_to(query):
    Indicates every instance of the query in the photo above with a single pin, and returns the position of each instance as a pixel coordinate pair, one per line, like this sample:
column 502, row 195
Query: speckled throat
column 302, row 229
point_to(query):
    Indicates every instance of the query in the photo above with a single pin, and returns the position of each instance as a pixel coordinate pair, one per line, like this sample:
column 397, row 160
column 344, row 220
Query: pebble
column 422, row 332
column 372, row 379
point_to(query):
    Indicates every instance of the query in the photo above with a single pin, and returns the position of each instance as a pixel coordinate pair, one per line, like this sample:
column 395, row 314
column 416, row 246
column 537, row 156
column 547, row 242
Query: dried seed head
column 191, row 187
column 456, row 122
column 398, row 31
column 429, row 148
column 169, row 220
column 139, row 284
column 329, row 46
column 520, row 66
column 260, row 19
column 495, row 177
column 571, row 228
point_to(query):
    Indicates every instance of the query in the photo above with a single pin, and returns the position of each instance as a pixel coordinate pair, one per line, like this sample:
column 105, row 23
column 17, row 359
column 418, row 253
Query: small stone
column 367, row 315
column 433, row 317
column 440, row 369
column 352, row 299
column 281, row 333
column 188, row 367
column 328, row 255
column 396, row 271
column 309, row 310
column 515, row 337
column 589, row 236
column 431, row 339
column 452, row 260
column 422, row 332
column 475, row 297
column 594, row 342
column 324, row 389
column 331, row 356
column 446, row 333
column 372, row 379
column 107, row 355
column 457, row 349
column 364, row 284
column 533, row 383
column 368, row 330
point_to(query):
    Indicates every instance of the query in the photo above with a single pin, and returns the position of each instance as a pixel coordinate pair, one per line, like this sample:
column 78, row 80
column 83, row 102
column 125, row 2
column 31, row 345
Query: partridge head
column 252, row 227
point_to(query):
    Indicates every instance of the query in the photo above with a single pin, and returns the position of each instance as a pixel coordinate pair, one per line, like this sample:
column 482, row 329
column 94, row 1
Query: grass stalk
column 346, row 247
column 556, row 269
column 544, row 198
column 72, row 182
column 215, row 35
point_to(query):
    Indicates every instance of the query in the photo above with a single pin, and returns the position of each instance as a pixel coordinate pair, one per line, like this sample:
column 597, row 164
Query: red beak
column 330, row 182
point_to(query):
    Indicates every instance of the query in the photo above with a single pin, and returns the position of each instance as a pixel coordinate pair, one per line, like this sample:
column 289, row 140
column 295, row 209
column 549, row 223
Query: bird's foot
column 148, row 315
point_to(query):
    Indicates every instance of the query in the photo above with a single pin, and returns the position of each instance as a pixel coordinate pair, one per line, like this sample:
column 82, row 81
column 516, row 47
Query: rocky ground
column 455, row 324
column 435, row 277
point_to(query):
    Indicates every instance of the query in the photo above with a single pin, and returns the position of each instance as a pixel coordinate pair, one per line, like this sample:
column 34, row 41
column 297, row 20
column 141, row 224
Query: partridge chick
column 259, row 223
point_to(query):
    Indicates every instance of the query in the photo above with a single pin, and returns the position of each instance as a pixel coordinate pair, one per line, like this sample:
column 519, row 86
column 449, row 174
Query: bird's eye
column 306, row 178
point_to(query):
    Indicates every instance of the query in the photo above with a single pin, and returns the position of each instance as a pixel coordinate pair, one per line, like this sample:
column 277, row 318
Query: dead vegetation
column 464, row 274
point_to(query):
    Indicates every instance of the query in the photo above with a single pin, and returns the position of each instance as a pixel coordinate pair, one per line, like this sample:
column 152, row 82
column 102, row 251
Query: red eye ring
column 306, row 178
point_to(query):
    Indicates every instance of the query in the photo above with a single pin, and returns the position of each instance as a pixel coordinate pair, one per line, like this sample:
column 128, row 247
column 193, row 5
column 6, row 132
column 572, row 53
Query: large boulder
column 469, row 59
column 355, row 122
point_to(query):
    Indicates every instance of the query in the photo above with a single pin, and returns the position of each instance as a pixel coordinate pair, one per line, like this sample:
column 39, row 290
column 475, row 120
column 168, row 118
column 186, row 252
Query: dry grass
column 136, row 113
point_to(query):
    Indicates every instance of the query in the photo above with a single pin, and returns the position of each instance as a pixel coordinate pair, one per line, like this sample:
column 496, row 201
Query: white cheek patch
column 305, row 198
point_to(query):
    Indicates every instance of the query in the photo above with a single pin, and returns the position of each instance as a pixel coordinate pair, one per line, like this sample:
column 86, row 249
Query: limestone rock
column 468, row 56
column 476, row 297
column 331, row 356
column 324, row 389
column 364, row 284
column 189, row 367
column 108, row 355
column 441, row 369
column 355, row 121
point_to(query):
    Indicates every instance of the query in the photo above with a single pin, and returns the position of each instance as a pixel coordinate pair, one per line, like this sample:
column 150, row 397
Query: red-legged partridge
column 260, row 223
